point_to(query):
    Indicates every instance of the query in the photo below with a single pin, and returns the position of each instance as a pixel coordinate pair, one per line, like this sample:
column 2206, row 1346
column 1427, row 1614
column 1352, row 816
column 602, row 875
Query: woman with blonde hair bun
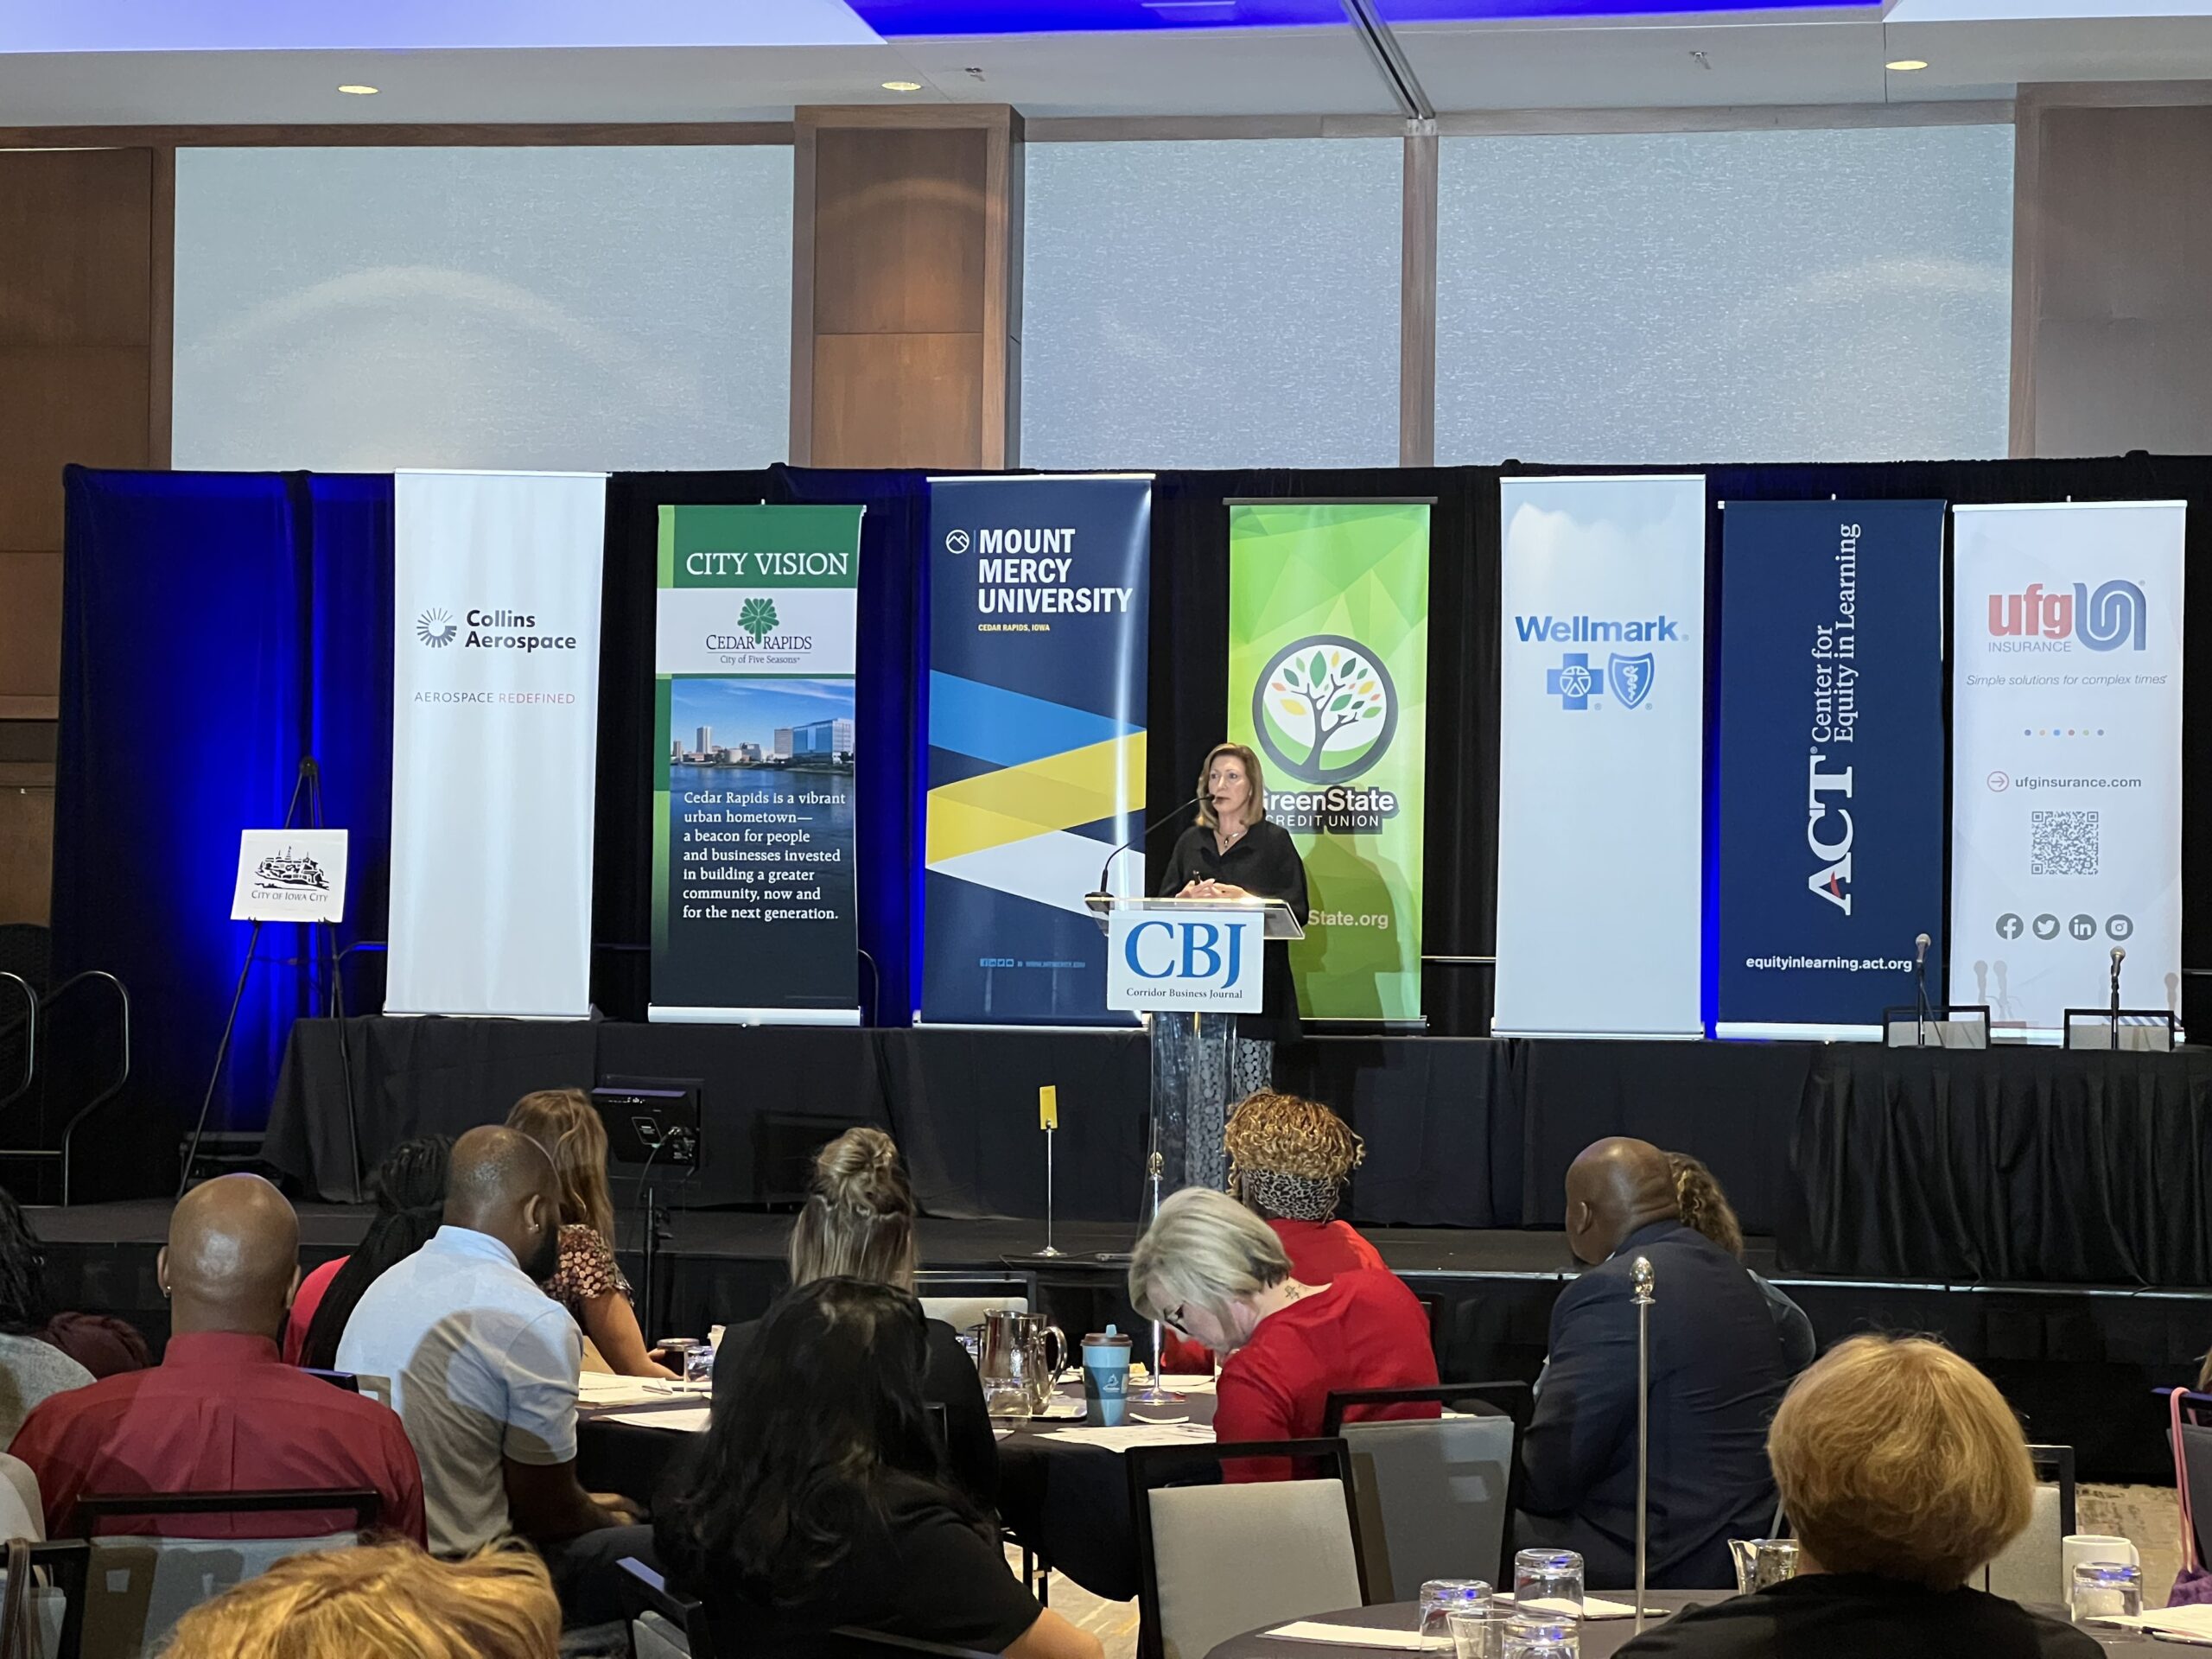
column 387, row 1601
column 1705, row 1209
column 858, row 1223
column 1902, row 1471
column 588, row 1283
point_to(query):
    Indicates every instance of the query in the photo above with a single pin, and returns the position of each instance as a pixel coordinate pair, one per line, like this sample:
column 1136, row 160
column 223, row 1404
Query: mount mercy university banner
column 1830, row 853
column 495, row 731
column 1328, row 682
column 2066, row 637
column 1038, row 613
column 1601, row 734
column 753, row 752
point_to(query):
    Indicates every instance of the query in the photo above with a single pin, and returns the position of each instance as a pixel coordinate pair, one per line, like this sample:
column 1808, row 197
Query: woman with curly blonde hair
column 386, row 1601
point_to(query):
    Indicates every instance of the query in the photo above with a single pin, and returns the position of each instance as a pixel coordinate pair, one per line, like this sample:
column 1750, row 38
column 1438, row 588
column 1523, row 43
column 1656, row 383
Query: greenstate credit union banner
column 1328, row 681
column 754, row 747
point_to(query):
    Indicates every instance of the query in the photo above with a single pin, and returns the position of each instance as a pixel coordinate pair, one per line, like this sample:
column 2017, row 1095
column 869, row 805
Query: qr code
column 2065, row 843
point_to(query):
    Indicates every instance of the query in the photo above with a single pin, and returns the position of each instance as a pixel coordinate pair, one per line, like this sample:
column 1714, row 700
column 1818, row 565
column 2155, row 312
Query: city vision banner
column 1328, row 682
column 754, row 745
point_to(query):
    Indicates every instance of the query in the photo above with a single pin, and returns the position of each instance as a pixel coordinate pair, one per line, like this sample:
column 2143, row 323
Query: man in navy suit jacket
column 1718, row 1372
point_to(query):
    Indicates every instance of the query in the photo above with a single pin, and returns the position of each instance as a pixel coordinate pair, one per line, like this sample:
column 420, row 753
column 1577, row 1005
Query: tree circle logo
column 1325, row 709
column 435, row 627
column 758, row 618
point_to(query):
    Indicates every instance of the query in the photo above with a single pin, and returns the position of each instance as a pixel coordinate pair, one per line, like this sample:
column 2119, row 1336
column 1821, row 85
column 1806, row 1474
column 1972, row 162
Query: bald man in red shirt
column 222, row 1411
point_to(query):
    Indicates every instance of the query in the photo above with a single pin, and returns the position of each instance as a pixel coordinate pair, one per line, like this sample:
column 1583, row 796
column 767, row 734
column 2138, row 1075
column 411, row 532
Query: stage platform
column 2077, row 1361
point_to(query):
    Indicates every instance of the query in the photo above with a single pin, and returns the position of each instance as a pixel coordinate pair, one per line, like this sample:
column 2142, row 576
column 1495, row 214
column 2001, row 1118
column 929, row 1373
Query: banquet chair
column 663, row 1624
column 140, row 1586
column 2031, row 1568
column 961, row 1299
column 57, row 1597
column 1215, row 1559
column 1435, row 1494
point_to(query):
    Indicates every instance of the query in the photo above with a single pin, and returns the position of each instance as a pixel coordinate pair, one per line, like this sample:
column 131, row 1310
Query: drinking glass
column 1543, row 1636
column 1475, row 1635
column 1441, row 1598
column 2105, row 1590
column 1547, row 1582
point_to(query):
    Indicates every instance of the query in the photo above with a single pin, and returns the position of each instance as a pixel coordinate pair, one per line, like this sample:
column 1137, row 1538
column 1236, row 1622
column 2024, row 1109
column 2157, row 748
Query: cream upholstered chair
column 1217, row 1560
column 2031, row 1568
column 1435, row 1494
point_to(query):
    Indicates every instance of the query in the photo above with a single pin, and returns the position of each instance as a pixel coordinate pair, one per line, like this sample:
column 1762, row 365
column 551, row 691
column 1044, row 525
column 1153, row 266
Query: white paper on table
column 604, row 1389
column 1131, row 1434
column 1351, row 1636
column 2183, row 1624
column 687, row 1419
column 1594, row 1607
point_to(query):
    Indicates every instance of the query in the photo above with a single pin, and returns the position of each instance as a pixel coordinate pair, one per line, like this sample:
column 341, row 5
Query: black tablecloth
column 2014, row 1165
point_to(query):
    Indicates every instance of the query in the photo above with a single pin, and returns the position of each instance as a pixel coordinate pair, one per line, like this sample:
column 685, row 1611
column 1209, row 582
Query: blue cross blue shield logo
column 1574, row 681
column 1631, row 678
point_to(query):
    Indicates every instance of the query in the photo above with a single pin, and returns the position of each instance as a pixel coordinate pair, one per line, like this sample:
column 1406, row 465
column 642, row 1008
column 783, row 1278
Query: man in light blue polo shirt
column 482, row 1366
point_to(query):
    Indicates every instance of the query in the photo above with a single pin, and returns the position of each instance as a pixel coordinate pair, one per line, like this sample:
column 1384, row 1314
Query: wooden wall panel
column 26, row 850
column 30, row 633
column 906, row 303
column 2111, row 346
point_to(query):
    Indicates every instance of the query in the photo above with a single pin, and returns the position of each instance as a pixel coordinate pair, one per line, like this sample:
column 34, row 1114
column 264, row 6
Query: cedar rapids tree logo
column 1324, row 710
column 758, row 618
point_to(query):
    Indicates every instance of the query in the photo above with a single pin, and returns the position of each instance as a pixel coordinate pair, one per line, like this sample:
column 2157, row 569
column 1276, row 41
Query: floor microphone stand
column 1640, row 1273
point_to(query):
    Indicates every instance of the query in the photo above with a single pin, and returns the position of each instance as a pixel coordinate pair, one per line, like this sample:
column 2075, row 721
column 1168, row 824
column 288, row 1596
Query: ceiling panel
column 1269, row 71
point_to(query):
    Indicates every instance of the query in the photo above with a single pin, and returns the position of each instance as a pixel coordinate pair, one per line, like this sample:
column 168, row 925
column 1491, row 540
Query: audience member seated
column 1902, row 1470
column 22, row 1514
column 1705, row 1208
column 31, row 1368
column 1215, row 1272
column 820, row 1498
column 222, row 1411
column 389, row 1602
column 410, row 1187
column 482, row 1366
column 859, row 1224
column 588, row 1281
column 1287, row 1160
column 1716, row 1373
column 102, row 1344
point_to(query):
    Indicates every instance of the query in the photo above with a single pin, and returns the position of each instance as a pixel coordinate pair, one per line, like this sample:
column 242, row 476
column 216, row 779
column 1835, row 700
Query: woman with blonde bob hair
column 1902, row 1471
column 858, row 1223
column 588, row 1283
column 387, row 1601
column 1214, row 1272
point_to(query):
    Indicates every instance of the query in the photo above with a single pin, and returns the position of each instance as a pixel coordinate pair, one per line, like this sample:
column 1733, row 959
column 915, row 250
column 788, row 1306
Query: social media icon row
column 2047, row 926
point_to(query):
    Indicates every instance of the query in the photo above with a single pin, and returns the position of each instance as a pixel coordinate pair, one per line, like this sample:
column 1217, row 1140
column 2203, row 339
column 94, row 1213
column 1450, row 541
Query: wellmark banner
column 753, row 882
column 1830, row 854
column 2066, row 640
column 1039, row 600
column 1328, row 681
column 1601, row 725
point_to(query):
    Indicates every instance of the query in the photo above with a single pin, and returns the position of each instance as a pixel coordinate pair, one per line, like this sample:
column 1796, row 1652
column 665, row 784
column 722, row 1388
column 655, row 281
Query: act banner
column 2066, row 640
column 1600, row 765
column 494, row 740
column 1830, row 858
column 754, row 745
column 1038, row 601
column 1328, row 682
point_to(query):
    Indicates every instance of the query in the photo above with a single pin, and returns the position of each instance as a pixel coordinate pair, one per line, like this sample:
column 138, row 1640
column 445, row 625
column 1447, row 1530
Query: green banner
column 1328, row 681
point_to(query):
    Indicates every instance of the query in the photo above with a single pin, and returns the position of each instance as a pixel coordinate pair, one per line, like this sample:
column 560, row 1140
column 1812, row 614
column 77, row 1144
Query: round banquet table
column 1601, row 1638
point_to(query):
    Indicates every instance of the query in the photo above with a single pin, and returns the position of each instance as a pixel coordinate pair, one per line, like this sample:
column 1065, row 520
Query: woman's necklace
column 1226, row 839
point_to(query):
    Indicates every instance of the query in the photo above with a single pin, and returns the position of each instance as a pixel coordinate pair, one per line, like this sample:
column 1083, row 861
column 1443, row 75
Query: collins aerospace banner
column 754, row 747
column 1038, row 607
column 1831, row 764
column 2066, row 637
column 494, row 740
column 1601, row 736
column 1328, row 681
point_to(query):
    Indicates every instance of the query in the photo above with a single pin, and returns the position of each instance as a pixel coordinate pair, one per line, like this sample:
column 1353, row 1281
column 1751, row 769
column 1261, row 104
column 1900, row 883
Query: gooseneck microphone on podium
column 1920, row 984
column 2118, row 956
column 1143, row 836
column 1640, row 1276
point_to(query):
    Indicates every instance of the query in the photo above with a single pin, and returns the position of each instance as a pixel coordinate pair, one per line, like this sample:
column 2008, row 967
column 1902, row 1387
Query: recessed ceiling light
column 902, row 86
column 1906, row 66
column 359, row 90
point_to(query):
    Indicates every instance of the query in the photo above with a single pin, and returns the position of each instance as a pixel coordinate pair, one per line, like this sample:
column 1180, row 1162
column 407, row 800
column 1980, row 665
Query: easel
column 308, row 785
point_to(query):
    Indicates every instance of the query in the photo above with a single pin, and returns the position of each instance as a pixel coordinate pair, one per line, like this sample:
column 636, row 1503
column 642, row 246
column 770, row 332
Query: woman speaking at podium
column 1231, row 852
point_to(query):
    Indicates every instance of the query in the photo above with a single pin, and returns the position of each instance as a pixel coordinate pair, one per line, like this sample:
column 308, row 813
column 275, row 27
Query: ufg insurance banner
column 2066, row 758
column 1328, row 681
column 1600, row 766
column 494, row 740
column 1830, row 856
column 1039, row 600
column 754, row 747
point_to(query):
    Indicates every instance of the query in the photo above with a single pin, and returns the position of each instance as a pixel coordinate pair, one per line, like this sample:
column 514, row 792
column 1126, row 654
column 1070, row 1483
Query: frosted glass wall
column 1228, row 304
column 1682, row 297
column 361, row 308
